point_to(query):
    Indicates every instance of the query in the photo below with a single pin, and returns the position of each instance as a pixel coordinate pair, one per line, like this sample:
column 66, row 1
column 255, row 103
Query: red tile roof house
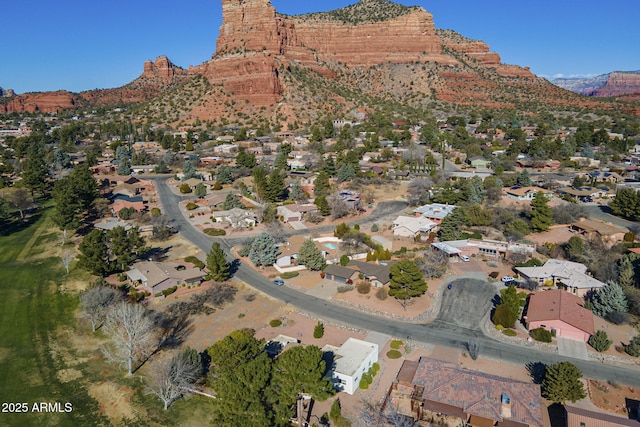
column 442, row 393
column 560, row 311
column 118, row 205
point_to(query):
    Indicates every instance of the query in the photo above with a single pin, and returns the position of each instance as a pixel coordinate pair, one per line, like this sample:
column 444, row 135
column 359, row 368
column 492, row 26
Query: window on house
column 583, row 425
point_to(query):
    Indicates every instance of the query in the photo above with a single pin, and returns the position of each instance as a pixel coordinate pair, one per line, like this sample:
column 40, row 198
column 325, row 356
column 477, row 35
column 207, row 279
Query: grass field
column 46, row 355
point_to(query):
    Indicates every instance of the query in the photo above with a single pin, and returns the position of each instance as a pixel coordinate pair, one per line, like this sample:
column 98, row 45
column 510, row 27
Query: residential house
column 487, row 248
column 119, row 204
column 567, row 275
column 226, row 149
column 411, row 227
column 350, row 198
column 350, row 361
column 526, row 193
column 443, row 393
column 111, row 223
column 236, row 217
column 340, row 274
column 609, row 233
column 591, row 192
column 479, row 162
column 578, row 417
column 559, row 311
column 601, row 176
column 435, row 212
column 378, row 275
column 158, row 276
column 295, row 212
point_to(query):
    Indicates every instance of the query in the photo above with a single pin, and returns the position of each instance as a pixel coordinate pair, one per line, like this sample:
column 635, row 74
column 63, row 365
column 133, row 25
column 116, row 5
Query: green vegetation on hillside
column 364, row 11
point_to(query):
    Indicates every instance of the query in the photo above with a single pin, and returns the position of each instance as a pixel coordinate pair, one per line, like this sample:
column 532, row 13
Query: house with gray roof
column 155, row 277
column 570, row 276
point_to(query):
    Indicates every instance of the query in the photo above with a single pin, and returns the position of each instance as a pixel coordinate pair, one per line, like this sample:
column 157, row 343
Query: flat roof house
column 560, row 311
column 350, row 361
column 435, row 212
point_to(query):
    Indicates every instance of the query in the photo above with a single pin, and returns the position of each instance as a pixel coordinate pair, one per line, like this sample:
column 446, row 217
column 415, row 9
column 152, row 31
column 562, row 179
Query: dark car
column 278, row 282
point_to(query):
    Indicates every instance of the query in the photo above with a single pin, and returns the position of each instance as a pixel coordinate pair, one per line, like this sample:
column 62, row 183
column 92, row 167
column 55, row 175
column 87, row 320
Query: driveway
column 572, row 348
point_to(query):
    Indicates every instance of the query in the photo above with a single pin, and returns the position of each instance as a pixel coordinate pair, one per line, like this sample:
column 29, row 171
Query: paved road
column 445, row 331
column 603, row 213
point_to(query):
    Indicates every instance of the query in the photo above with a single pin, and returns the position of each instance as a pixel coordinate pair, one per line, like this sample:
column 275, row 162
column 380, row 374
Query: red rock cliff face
column 45, row 102
column 619, row 84
column 161, row 69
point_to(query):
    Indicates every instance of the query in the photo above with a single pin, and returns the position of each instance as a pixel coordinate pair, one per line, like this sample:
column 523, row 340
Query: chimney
column 505, row 406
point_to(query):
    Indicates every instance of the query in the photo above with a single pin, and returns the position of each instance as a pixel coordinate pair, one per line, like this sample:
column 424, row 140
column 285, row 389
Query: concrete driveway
column 572, row 348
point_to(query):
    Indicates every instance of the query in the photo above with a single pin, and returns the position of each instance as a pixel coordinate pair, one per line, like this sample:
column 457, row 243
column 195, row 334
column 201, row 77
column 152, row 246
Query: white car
column 507, row 279
column 464, row 258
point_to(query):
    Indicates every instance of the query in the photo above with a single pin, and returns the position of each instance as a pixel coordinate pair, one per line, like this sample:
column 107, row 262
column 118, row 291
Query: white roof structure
column 435, row 210
column 111, row 223
column 350, row 356
column 415, row 224
column 447, row 248
column 554, row 268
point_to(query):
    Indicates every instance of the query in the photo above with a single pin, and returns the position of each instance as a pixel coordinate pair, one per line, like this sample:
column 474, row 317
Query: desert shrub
column 244, row 251
column 241, row 315
column 195, row 261
column 600, row 341
column 214, row 232
column 499, row 327
column 396, row 344
column 374, row 368
column 344, row 289
column 191, row 206
column 275, row 323
column 618, row 317
column 494, row 274
column 155, row 212
column 366, row 381
column 541, row 334
column 363, row 287
column 184, row 188
column 290, row 274
column 633, row 348
column 394, row 354
column 318, row 330
column 510, row 332
column 374, row 228
column 382, row 294
column 169, row 291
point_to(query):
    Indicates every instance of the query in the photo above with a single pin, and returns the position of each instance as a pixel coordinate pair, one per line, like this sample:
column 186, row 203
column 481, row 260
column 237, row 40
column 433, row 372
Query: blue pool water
column 330, row 246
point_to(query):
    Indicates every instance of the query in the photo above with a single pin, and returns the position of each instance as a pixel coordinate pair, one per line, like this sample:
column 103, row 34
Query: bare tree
column 172, row 378
column 372, row 416
column 20, row 199
column 433, row 264
column 339, row 208
column 67, row 257
column 417, row 190
column 95, row 301
column 131, row 334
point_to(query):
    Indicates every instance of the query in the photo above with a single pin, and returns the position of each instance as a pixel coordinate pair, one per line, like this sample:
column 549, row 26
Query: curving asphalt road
column 458, row 322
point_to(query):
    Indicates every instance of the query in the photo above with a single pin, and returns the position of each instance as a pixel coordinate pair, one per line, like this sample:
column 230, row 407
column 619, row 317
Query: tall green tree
column 541, row 214
column 35, row 174
column 125, row 246
column 452, row 224
column 231, row 201
column 608, row 299
column 240, row 373
column 276, row 187
column 68, row 206
column 626, row 204
column 310, row 256
column 523, row 179
column 217, row 264
column 244, row 159
column 406, row 281
column 94, row 253
column 297, row 370
column 321, row 184
column 200, row 190
column 263, row 250
column 323, row 205
column 508, row 311
column 562, row 382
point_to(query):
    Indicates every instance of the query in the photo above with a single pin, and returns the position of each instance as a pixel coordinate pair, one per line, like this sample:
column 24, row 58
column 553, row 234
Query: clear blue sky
column 85, row 44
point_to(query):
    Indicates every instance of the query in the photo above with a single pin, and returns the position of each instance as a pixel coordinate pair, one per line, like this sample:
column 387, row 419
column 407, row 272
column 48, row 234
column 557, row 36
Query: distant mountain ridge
column 374, row 52
column 614, row 84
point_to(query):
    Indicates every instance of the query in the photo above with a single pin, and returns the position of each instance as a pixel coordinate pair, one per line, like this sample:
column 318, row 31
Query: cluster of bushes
column 541, row 334
column 396, row 344
column 344, row 289
column 167, row 291
column 394, row 354
column 290, row 274
column 382, row 294
column 363, row 287
column 214, row 232
column 184, row 188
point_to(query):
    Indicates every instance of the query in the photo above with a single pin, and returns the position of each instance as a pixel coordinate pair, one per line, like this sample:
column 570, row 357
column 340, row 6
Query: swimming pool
column 329, row 246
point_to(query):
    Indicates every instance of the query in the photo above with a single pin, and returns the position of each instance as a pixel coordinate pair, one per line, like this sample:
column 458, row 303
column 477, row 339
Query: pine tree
column 297, row 193
column 318, row 330
column 217, row 264
column 276, row 187
column 523, row 179
column 608, row 299
column 231, row 201
column 200, row 190
column 321, row 184
column 323, row 205
column 310, row 256
column 600, row 341
column 406, row 281
column 541, row 215
column 94, row 253
column 562, row 382
column 263, row 250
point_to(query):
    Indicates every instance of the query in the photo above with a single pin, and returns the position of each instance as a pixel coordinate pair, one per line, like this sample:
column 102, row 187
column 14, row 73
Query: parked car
column 507, row 279
column 464, row 258
column 278, row 282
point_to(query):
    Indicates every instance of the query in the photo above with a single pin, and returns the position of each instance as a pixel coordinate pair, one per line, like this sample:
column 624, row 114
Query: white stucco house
column 411, row 226
column 350, row 361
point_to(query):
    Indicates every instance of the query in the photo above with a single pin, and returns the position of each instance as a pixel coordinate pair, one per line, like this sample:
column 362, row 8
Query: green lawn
column 32, row 312
column 38, row 339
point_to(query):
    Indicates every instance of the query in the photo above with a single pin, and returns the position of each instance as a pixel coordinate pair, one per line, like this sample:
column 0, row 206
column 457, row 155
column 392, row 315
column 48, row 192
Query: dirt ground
column 613, row 397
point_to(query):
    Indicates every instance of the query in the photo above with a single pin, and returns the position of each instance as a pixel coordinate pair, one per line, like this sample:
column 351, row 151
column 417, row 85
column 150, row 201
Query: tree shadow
column 557, row 415
column 174, row 329
column 536, row 371
column 14, row 225
column 633, row 408
column 156, row 254
column 234, row 266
